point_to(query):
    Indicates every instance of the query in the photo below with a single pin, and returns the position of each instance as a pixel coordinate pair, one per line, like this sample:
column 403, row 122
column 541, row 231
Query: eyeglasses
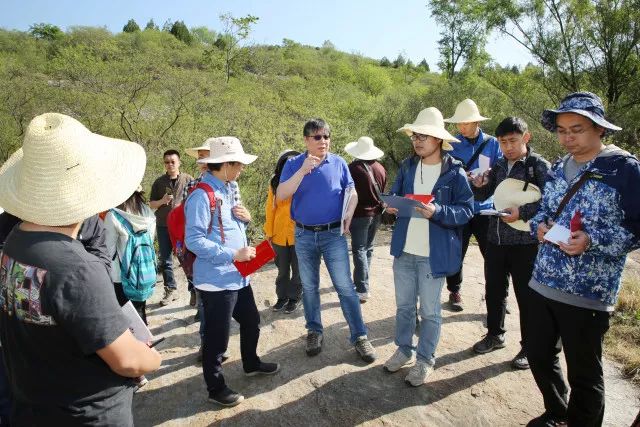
column 565, row 133
column 418, row 137
column 319, row 137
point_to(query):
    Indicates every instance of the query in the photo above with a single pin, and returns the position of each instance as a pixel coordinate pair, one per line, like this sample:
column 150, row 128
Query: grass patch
column 622, row 342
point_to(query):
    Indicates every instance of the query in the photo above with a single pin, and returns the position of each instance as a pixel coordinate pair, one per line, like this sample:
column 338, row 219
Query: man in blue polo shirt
column 318, row 181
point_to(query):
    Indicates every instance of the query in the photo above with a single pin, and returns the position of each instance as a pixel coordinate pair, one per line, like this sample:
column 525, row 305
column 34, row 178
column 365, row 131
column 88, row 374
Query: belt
column 319, row 227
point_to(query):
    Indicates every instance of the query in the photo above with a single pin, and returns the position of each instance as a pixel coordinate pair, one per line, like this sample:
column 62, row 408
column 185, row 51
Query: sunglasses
column 319, row 137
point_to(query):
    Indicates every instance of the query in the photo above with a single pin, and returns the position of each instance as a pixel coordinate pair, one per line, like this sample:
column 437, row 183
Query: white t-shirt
column 417, row 242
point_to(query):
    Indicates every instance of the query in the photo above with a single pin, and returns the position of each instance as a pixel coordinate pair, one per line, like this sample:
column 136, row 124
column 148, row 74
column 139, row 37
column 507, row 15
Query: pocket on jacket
column 443, row 195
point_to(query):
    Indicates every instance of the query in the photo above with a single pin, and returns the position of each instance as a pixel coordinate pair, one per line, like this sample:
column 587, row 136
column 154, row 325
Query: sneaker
column 455, row 301
column 418, row 373
column 292, row 306
column 226, row 397
column 363, row 296
column 192, row 298
column 279, row 305
column 520, row 361
column 169, row 296
column 314, row 343
column 489, row 343
column 365, row 349
column 398, row 361
column 264, row 368
column 546, row 420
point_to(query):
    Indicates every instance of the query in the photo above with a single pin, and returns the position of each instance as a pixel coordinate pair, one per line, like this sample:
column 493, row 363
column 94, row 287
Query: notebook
column 264, row 254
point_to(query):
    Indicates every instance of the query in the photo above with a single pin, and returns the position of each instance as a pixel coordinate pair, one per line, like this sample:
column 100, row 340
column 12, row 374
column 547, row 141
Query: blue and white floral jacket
column 610, row 209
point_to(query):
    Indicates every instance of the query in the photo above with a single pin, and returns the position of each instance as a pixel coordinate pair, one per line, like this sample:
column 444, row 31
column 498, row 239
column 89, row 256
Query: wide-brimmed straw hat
column 193, row 152
column 430, row 122
column 586, row 104
column 226, row 149
column 64, row 174
column 509, row 194
column 363, row 149
column 466, row 112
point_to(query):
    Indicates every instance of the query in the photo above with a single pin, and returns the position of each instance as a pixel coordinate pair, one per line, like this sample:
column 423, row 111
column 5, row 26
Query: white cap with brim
column 64, row 174
column 466, row 112
column 430, row 122
column 509, row 194
column 227, row 149
column 193, row 152
column 363, row 149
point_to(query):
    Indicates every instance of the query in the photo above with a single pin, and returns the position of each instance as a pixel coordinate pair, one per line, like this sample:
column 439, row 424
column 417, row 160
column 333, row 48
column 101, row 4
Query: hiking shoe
column 279, row 305
column 398, row 361
column 264, row 368
column 192, row 298
column 365, row 349
column 226, row 397
column 314, row 343
column 418, row 373
column 363, row 296
column 489, row 343
column 546, row 420
column 169, row 296
column 292, row 306
column 455, row 301
column 520, row 361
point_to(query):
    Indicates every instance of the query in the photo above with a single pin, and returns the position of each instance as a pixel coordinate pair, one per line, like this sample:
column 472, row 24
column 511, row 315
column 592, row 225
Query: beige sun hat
column 430, row 122
column 363, row 149
column 509, row 194
column 193, row 152
column 226, row 149
column 64, row 174
column 466, row 112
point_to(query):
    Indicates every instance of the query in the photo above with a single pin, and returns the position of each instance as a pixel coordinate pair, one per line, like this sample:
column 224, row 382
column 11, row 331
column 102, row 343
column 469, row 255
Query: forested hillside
column 173, row 88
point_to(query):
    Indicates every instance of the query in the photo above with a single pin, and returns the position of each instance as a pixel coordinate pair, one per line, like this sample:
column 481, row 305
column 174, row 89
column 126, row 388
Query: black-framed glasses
column 320, row 137
column 418, row 137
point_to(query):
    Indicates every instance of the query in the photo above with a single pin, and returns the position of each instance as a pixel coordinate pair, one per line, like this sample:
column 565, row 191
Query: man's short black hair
column 512, row 125
column 171, row 153
column 314, row 125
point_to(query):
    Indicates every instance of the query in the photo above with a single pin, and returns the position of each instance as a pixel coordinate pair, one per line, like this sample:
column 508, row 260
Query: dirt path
column 336, row 388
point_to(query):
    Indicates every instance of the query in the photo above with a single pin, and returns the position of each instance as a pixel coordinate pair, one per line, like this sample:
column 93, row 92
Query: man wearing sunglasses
column 318, row 182
column 166, row 193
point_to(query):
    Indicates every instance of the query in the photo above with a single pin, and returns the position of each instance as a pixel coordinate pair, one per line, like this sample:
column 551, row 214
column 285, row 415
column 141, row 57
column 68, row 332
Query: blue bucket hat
column 586, row 104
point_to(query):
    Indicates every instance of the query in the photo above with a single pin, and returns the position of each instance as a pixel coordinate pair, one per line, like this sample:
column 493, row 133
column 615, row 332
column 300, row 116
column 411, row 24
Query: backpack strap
column 476, row 154
column 373, row 181
column 529, row 171
column 570, row 193
column 213, row 204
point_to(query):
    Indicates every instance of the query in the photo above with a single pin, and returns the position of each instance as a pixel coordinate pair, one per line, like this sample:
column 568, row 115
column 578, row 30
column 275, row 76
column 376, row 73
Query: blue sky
column 374, row 28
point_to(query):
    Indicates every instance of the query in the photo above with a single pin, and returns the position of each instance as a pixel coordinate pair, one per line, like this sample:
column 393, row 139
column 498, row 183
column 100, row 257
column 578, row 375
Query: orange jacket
column 278, row 225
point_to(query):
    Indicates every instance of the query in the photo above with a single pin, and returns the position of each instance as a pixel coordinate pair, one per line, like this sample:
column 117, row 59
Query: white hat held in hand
column 363, row 149
column 63, row 174
column 509, row 194
column 193, row 152
column 430, row 122
column 466, row 112
column 226, row 149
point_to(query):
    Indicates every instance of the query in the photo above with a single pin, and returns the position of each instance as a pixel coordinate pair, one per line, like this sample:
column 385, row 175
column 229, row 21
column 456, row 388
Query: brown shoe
column 169, row 296
column 455, row 301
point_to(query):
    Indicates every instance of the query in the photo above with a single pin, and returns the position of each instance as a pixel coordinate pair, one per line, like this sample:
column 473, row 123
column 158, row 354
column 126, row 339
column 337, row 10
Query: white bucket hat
column 64, row 174
column 226, row 149
column 509, row 194
column 363, row 149
column 193, row 152
column 466, row 112
column 430, row 122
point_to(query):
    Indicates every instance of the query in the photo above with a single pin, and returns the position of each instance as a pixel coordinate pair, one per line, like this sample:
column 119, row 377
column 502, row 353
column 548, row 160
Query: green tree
column 181, row 32
column 400, row 61
column 235, row 32
column 131, row 27
column 46, row 31
column 424, row 65
column 384, row 62
column 151, row 25
column 204, row 35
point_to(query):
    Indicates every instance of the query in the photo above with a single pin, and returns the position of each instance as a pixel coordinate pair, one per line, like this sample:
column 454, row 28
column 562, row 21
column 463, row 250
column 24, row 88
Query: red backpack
column 176, row 222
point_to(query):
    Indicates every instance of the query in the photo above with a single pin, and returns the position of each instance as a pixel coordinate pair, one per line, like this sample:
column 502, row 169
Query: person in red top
column 370, row 178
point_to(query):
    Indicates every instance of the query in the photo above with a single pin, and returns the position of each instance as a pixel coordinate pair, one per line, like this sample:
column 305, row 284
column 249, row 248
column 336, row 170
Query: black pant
column 500, row 262
column 479, row 227
column 580, row 331
column 140, row 306
column 219, row 308
column 288, row 283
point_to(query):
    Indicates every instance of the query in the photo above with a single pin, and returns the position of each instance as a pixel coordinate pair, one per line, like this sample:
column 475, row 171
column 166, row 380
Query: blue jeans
column 413, row 281
column 165, row 259
column 363, row 231
column 310, row 246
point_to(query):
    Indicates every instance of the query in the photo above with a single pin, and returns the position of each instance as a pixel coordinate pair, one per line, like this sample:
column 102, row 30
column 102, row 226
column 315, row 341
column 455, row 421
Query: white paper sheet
column 492, row 212
column 136, row 325
column 558, row 233
column 348, row 193
column 484, row 163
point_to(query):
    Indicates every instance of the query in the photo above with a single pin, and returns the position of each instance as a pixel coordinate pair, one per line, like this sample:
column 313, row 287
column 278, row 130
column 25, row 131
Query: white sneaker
column 363, row 296
column 397, row 361
column 418, row 373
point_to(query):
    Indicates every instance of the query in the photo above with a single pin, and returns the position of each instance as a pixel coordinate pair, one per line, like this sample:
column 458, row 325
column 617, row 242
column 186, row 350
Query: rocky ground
column 336, row 388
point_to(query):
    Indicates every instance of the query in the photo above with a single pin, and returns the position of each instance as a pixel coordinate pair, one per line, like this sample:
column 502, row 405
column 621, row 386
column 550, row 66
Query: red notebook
column 264, row 254
column 424, row 198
